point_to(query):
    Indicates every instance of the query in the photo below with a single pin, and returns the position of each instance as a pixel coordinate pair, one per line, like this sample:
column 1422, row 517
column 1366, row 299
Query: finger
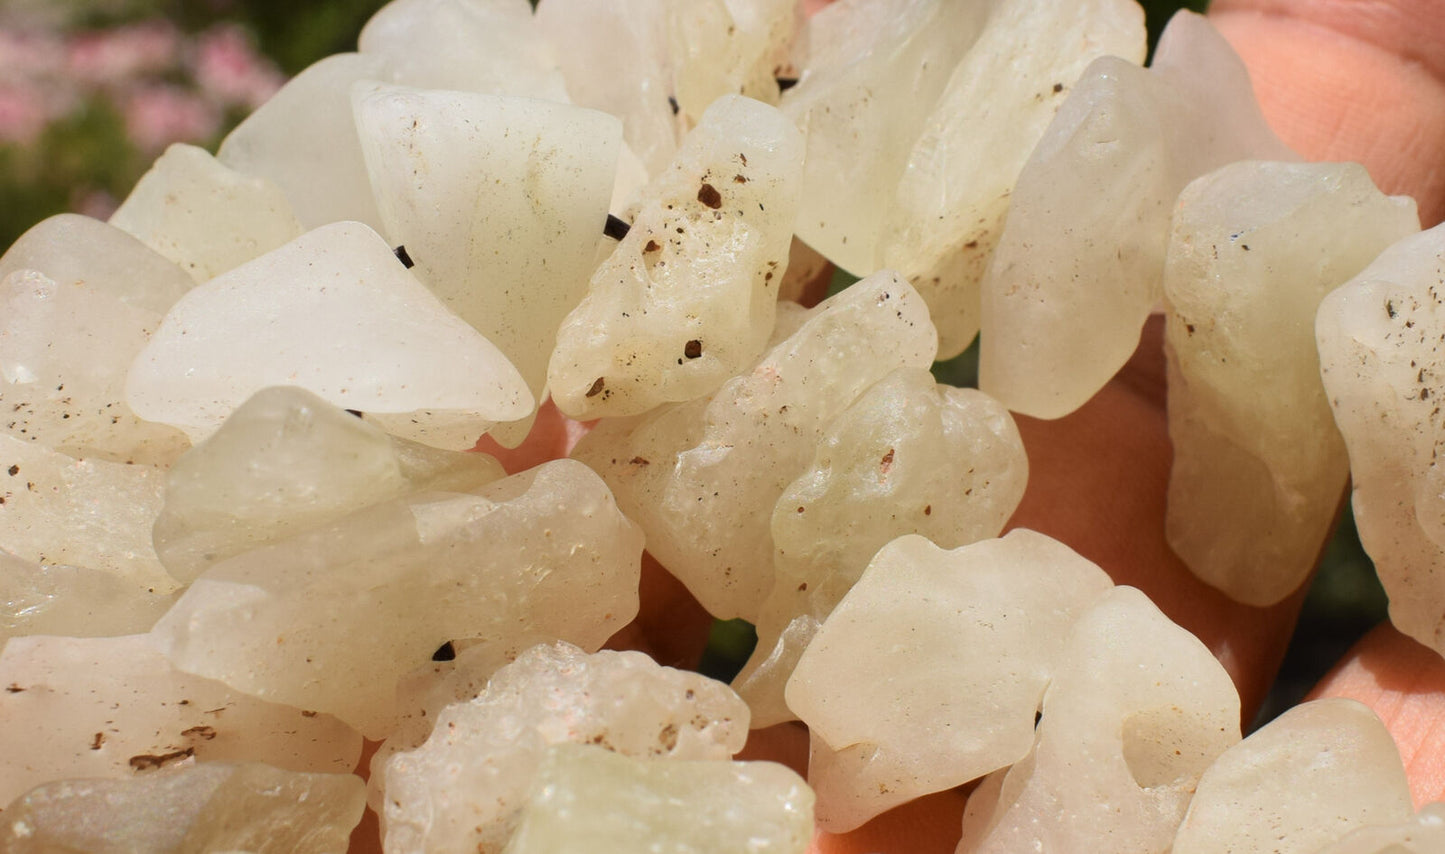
column 1404, row 682
column 1344, row 80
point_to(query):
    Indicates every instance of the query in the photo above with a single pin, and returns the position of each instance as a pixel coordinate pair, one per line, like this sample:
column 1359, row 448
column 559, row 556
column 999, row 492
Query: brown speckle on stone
column 596, row 388
column 708, row 195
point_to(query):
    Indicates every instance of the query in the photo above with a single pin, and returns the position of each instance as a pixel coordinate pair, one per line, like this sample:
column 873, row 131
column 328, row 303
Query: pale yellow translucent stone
column 469, row 45
column 1136, row 711
column 872, row 72
column 1259, row 467
column 335, row 312
column 114, row 707
column 332, row 618
column 78, row 299
column 702, row 478
column 1315, row 773
column 72, row 601
column 1080, row 263
column 954, row 192
column 304, row 141
column 1424, row 833
column 1378, row 338
column 86, row 513
column 591, row 801
column 688, row 298
column 215, row 806
column 287, row 461
column 462, row 789
column 726, row 47
column 205, row 217
column 973, row 635
column 909, row 456
column 499, row 201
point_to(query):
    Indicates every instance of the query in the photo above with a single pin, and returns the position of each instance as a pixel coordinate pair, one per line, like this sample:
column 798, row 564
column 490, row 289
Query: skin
column 1337, row 80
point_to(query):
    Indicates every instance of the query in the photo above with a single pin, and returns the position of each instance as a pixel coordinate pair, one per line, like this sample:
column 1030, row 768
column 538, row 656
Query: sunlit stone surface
column 1136, row 711
column 87, row 513
column 909, row 456
column 1304, row 780
column 973, row 636
column 216, row 806
column 726, row 47
column 332, row 618
column 954, row 192
column 205, row 217
column 462, row 789
column 1380, row 358
column 470, row 45
column 702, row 478
column 871, row 75
column 1424, row 833
column 49, row 599
column 591, row 800
column 688, row 298
column 287, row 461
column 1079, row 265
column 78, row 299
column 304, row 141
column 388, row 347
column 1259, row 467
column 114, row 707
column 500, row 203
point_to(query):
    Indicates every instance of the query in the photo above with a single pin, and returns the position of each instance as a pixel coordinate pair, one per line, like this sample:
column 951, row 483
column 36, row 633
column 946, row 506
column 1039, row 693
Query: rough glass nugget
column 702, row 478
column 287, row 461
column 1079, row 265
column 909, row 456
column 114, row 707
column 56, row 509
column 1423, row 833
column 1301, row 782
column 489, row 46
column 951, row 199
column 214, row 806
column 1259, row 466
column 72, row 601
column 688, row 298
column 336, row 312
column 74, row 279
column 1136, row 711
column 499, row 201
column 592, row 801
column 462, row 789
column 204, row 216
column 973, row 636
column 1378, row 338
column 332, row 618
column 304, row 141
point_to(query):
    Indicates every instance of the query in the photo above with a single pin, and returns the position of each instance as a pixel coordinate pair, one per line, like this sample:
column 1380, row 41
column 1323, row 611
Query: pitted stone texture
column 593, row 801
column 112, row 708
column 287, row 461
column 688, row 298
column 204, row 216
column 333, row 618
column 72, row 601
column 463, row 788
column 973, row 633
column 1424, row 833
column 1080, row 263
column 388, row 348
column 1303, row 781
column 952, row 197
column 1381, row 357
column 909, row 456
column 1259, row 467
column 78, row 300
column 702, row 478
column 1136, row 711
column 215, row 806
column 499, row 201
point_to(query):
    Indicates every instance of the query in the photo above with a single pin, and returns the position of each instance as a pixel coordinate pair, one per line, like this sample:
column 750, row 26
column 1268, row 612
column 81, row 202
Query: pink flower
column 229, row 69
column 30, row 55
column 112, row 57
column 156, row 116
column 22, row 115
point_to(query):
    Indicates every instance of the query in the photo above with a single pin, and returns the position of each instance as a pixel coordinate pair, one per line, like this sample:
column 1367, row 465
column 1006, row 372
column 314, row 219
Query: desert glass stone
column 1423, row 833
column 72, row 601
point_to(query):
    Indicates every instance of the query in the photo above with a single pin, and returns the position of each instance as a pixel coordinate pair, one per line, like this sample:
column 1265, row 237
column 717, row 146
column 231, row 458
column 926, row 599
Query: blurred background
column 92, row 91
